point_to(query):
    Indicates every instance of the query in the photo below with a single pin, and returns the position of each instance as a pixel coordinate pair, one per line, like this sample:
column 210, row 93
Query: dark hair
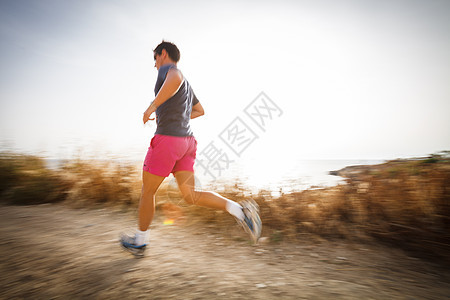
column 170, row 48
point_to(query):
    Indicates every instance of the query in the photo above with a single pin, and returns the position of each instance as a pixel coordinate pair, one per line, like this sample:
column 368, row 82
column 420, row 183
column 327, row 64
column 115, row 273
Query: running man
column 173, row 150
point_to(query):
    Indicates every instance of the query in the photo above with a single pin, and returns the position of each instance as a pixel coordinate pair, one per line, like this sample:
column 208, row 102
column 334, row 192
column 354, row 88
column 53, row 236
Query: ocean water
column 253, row 176
column 301, row 175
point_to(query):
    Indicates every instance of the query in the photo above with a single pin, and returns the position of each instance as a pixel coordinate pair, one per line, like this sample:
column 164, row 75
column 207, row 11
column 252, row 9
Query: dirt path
column 54, row 252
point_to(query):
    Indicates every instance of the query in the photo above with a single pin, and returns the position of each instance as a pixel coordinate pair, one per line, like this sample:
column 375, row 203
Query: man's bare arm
column 173, row 81
column 197, row 111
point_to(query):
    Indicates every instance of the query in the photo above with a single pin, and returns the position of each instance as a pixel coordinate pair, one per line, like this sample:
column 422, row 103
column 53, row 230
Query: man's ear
column 164, row 53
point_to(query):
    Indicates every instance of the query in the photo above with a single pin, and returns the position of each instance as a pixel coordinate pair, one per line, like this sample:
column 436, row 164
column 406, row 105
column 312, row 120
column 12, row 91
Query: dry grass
column 25, row 180
column 405, row 203
column 102, row 183
column 402, row 202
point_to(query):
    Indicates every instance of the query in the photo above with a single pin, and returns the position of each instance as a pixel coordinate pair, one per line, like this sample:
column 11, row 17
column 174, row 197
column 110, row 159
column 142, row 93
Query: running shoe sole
column 137, row 251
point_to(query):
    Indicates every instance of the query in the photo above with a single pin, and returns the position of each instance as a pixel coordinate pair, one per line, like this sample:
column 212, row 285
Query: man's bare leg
column 150, row 184
column 249, row 219
column 136, row 244
column 186, row 183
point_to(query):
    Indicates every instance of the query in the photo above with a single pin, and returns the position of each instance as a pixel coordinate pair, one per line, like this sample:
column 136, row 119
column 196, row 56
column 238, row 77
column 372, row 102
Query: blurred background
column 356, row 80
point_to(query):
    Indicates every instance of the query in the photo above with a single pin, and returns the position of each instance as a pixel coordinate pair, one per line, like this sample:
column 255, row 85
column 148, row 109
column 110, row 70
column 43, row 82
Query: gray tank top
column 174, row 115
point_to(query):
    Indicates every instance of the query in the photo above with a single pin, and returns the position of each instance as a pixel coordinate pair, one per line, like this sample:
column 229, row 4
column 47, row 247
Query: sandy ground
column 55, row 252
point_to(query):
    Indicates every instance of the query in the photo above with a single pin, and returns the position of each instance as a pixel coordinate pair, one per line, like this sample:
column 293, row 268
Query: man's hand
column 151, row 109
column 173, row 81
column 197, row 111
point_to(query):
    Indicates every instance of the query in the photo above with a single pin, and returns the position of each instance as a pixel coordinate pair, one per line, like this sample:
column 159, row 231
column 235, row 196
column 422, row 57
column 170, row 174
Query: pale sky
column 354, row 79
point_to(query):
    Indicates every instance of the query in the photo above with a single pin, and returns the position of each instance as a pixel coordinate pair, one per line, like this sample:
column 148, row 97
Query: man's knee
column 190, row 196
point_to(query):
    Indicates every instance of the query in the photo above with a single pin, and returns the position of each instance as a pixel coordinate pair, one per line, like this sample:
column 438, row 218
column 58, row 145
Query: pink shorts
column 169, row 154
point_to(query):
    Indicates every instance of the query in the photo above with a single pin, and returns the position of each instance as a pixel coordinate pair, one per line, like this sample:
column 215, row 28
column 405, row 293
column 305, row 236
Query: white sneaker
column 252, row 222
column 129, row 243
